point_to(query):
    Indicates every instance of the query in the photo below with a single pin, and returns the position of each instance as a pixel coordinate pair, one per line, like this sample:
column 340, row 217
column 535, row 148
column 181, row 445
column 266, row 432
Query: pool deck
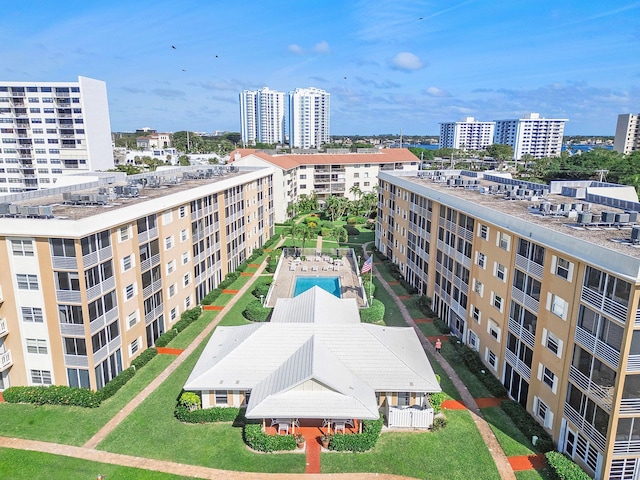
column 321, row 266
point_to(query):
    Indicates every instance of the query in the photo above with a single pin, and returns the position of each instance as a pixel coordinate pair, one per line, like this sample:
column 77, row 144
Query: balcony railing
column 607, row 305
column 593, row 345
column 603, row 395
column 4, row 327
column 6, row 360
column 594, row 435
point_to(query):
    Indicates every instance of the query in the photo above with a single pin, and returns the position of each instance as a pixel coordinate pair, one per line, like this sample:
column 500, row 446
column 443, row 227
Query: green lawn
column 512, row 440
column 455, row 453
column 476, row 388
column 73, row 425
column 544, row 474
column 392, row 315
column 27, row 465
column 184, row 339
column 152, row 431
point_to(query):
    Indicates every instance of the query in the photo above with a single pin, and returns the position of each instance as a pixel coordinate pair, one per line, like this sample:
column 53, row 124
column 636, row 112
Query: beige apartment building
column 543, row 281
column 627, row 139
column 92, row 276
column 334, row 173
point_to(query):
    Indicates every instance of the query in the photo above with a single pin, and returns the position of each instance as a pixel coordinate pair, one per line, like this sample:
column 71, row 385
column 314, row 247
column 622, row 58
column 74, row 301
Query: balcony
column 601, row 394
column 6, row 360
column 4, row 327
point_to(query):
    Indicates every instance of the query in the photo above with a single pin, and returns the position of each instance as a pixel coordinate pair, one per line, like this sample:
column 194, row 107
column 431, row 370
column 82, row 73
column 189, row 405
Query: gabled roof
column 316, row 306
column 312, row 383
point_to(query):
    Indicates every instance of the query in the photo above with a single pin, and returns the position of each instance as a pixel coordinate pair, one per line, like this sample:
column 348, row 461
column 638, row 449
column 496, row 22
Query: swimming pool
column 330, row 284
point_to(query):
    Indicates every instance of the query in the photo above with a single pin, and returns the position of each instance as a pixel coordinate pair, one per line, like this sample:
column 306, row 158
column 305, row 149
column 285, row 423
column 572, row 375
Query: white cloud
column 436, row 92
column 321, row 47
column 297, row 49
column 406, row 61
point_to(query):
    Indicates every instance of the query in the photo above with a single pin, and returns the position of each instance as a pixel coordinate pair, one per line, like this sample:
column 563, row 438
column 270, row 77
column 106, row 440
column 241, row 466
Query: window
column 130, row 291
column 184, row 235
column 548, row 377
column 75, row 346
column 134, row 347
column 126, row 263
column 36, row 345
column 32, row 314
column 78, row 378
column 182, row 211
column 70, row 314
column 186, row 280
column 483, row 232
column 403, row 399
column 172, row 290
column 167, row 217
column 473, row 340
column 491, row 358
column 174, row 313
column 557, row 305
column 27, row 282
column 494, row 330
column 504, row 241
column 497, row 301
column 541, row 410
column 124, row 233
column 41, row 377
column 562, row 268
column 132, row 319
column 187, row 302
column 22, row 248
column 185, row 258
column 478, row 287
column 553, row 343
column 500, row 271
column 221, row 397
column 168, row 243
column 303, row 177
column 476, row 314
column 171, row 266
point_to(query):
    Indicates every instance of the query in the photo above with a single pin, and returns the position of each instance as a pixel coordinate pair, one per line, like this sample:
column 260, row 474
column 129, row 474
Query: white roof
column 319, row 367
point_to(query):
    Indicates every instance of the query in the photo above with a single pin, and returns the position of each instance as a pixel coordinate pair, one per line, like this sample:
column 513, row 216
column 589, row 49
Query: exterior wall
column 195, row 237
column 467, row 134
column 50, row 129
column 309, row 124
column 531, row 135
column 627, row 137
column 579, row 380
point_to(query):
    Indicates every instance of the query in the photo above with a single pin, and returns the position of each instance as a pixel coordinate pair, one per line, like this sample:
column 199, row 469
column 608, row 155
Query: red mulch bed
column 169, row 351
column 423, row 320
column 487, row 402
column 453, row 405
column 405, row 297
column 217, row 308
column 230, row 292
column 246, row 274
column 254, row 265
column 527, row 462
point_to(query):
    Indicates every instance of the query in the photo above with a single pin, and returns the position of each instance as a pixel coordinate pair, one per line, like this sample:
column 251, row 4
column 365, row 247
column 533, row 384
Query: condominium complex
column 543, row 281
column 262, row 116
column 467, row 134
column 627, row 137
column 334, row 173
column 531, row 135
column 91, row 277
column 308, row 118
column 52, row 128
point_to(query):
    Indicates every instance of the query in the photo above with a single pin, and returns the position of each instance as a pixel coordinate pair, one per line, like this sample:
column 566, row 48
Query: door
column 570, row 443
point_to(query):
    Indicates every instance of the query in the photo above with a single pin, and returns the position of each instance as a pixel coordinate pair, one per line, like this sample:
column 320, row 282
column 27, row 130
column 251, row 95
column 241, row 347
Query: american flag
column 366, row 266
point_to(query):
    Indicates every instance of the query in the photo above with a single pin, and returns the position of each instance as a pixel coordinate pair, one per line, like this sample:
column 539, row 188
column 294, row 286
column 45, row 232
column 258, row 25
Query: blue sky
column 388, row 65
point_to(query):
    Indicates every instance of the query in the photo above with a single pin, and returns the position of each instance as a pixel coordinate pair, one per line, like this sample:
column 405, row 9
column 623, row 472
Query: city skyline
column 174, row 67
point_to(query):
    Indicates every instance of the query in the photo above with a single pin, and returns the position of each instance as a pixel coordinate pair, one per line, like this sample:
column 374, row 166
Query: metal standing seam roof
column 318, row 306
column 275, row 358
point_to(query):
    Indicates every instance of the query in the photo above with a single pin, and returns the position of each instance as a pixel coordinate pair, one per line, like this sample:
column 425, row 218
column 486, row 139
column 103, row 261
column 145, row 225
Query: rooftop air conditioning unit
column 635, row 234
column 585, row 217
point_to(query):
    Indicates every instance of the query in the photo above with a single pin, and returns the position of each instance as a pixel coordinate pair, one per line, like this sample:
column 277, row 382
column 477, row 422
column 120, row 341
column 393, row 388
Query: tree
column 368, row 204
column 184, row 160
column 305, row 233
column 339, row 233
column 336, row 207
column 500, row 152
column 126, row 168
column 355, row 190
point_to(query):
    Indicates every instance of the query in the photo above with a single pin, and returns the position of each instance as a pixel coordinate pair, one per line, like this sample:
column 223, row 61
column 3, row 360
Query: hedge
column 144, row 358
column 255, row 312
column 436, row 399
column 260, row 441
column 358, row 442
column 166, row 337
column 187, row 318
column 527, row 425
column 206, row 415
column 261, row 290
column 475, row 365
column 564, row 467
column 351, row 230
column 373, row 314
column 116, row 383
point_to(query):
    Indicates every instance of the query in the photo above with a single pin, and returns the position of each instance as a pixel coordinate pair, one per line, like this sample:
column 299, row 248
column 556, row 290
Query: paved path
column 500, row 459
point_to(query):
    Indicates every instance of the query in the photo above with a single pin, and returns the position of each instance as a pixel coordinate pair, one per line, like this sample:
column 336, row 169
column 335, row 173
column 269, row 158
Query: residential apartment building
column 325, row 174
column 531, row 135
column 48, row 129
column 467, row 134
column 627, row 137
column 158, row 141
column 262, row 116
column 543, row 281
column 309, row 122
column 92, row 277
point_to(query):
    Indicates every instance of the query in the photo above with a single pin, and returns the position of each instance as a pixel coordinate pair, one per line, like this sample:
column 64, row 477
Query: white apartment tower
column 531, row 135
column 467, row 134
column 262, row 116
column 627, row 137
column 52, row 128
column 308, row 117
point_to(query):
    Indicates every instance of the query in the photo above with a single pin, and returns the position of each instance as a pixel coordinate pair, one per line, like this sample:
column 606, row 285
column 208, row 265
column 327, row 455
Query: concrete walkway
column 500, row 459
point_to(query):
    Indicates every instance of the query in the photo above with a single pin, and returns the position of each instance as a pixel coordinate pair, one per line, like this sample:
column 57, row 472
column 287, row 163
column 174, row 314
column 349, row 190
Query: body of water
column 330, row 284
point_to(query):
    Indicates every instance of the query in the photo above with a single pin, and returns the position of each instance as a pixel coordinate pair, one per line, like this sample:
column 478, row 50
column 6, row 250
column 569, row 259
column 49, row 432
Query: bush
column 242, row 267
column 564, row 467
column 373, row 314
column 187, row 318
column 424, row 304
column 527, row 425
column 358, row 442
column 260, row 441
column 436, row 399
column 439, row 423
column 441, row 326
column 116, row 383
column 351, row 230
column 255, row 312
column 410, row 289
column 164, row 339
column 144, row 358
column 369, row 288
column 189, row 400
column 206, row 415
column 53, row 395
column 352, row 221
column 211, row 297
column 261, row 290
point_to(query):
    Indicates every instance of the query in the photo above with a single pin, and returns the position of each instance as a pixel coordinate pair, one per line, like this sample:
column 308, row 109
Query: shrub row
column 261, row 289
column 527, row 425
column 186, row 319
column 564, row 467
column 410, row 289
column 358, row 442
column 260, row 441
column 351, row 230
column 374, row 313
column 474, row 363
column 436, row 399
column 255, row 312
column 79, row 397
column 213, row 295
column 166, row 337
column 206, row 415
column 441, row 326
